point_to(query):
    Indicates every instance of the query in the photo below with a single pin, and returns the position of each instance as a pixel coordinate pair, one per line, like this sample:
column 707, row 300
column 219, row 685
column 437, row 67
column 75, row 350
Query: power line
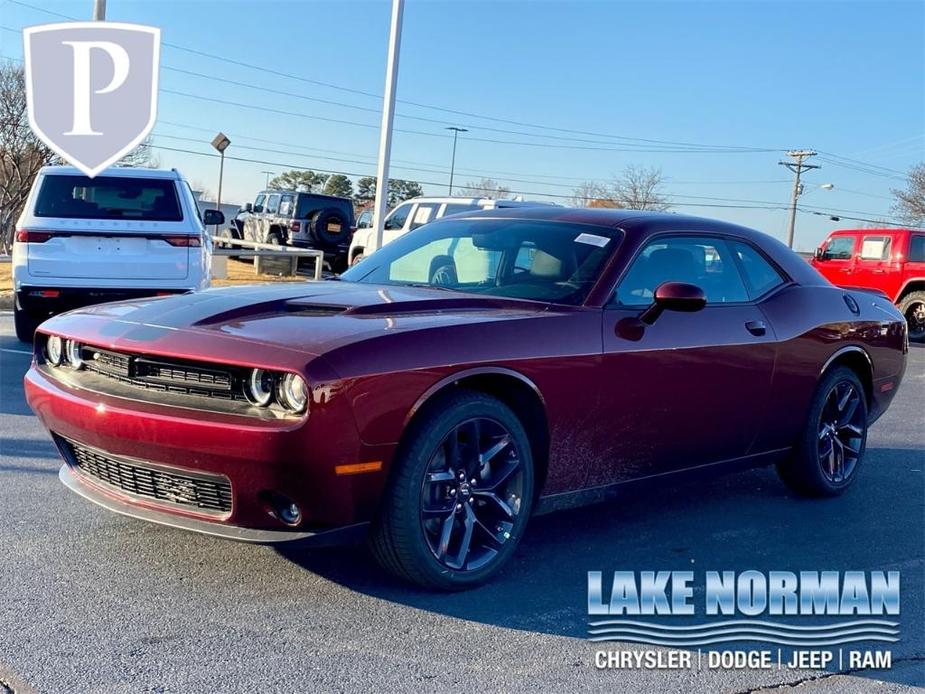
column 289, row 165
column 456, row 112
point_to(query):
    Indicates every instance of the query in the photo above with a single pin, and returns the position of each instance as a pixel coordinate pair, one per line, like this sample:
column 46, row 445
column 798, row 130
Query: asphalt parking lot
column 94, row 602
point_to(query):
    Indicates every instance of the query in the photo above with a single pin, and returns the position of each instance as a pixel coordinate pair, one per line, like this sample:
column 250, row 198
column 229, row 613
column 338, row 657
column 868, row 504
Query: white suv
column 123, row 234
column 415, row 212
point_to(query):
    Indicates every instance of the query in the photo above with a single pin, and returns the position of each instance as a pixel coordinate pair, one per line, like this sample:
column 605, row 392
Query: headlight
column 259, row 387
column 293, row 392
column 72, row 351
column 53, row 350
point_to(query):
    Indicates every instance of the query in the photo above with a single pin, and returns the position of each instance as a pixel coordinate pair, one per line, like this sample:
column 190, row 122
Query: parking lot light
column 220, row 142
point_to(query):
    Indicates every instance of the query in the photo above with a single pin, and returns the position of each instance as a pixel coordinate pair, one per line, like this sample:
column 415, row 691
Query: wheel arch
column 914, row 285
column 858, row 360
column 510, row 387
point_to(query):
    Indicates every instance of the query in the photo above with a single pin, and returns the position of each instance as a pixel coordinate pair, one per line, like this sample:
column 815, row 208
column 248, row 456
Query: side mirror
column 213, row 218
column 674, row 296
column 248, row 207
column 819, row 253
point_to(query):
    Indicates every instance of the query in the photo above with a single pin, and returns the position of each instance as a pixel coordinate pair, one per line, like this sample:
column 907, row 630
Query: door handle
column 756, row 327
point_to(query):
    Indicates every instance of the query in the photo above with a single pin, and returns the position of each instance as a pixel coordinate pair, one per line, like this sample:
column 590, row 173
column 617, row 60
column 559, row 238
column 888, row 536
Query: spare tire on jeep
column 329, row 226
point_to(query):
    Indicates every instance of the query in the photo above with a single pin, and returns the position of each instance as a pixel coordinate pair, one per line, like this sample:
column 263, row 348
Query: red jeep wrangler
column 891, row 260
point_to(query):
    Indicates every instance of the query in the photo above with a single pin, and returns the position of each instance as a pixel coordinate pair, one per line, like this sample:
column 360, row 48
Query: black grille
column 111, row 363
column 165, row 375
column 211, row 494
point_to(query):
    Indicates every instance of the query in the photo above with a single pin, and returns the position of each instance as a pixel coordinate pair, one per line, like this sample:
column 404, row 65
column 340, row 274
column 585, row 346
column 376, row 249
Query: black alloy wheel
column 841, row 432
column 826, row 459
column 460, row 493
column 472, row 494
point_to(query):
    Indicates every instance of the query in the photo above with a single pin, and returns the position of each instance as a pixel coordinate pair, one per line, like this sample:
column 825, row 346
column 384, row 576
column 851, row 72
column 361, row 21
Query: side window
column 273, row 203
column 456, row 208
column 365, row 220
column 422, row 215
column 191, row 197
column 399, row 216
column 760, row 275
column 840, row 248
column 705, row 262
column 876, row 248
column 286, row 204
column 258, row 203
column 917, row 249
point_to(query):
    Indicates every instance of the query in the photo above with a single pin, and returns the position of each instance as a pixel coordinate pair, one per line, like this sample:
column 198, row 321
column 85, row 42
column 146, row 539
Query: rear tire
column 25, row 322
column 826, row 459
column 460, row 494
column 912, row 306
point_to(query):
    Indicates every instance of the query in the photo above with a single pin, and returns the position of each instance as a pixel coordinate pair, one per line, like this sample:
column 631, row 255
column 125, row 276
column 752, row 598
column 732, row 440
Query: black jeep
column 307, row 220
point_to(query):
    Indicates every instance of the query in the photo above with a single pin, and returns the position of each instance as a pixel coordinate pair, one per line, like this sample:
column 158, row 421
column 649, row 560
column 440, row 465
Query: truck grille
column 211, row 494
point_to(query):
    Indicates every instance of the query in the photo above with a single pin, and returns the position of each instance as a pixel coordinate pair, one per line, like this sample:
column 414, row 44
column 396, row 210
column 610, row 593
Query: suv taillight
column 295, row 226
column 188, row 241
column 29, row 236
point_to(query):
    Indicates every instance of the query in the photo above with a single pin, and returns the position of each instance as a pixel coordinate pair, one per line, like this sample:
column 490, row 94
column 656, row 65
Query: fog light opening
column 290, row 513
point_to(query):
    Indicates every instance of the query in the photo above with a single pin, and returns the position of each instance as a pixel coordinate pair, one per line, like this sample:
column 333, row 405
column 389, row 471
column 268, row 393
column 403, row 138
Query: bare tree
column 640, row 188
column 142, row 157
column 22, row 154
column 592, row 194
column 485, row 188
column 910, row 203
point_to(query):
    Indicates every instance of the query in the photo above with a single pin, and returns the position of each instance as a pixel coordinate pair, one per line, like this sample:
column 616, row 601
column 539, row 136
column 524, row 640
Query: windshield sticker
column 592, row 239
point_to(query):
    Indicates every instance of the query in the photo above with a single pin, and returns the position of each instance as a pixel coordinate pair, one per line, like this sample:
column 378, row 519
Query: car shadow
column 735, row 522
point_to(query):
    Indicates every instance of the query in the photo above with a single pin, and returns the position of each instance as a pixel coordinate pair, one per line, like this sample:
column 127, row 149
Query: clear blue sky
column 845, row 78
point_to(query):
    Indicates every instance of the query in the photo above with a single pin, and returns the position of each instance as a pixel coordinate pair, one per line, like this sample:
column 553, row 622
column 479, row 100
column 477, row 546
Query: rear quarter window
column 108, row 197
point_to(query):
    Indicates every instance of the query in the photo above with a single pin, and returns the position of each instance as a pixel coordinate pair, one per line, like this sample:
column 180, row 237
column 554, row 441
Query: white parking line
column 16, row 351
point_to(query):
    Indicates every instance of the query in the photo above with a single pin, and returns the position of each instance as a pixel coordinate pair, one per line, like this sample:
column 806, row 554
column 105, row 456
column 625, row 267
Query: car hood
column 309, row 318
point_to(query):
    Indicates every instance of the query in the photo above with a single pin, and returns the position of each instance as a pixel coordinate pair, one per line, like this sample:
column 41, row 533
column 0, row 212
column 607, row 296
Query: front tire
column 912, row 306
column 460, row 495
column 825, row 461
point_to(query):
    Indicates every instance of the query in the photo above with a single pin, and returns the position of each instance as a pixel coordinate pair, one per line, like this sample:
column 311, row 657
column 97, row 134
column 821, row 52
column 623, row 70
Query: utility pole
column 797, row 166
column 388, row 116
column 99, row 10
column 267, row 182
column 456, row 132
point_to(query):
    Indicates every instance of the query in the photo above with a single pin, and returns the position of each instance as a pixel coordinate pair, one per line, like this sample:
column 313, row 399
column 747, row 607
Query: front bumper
column 88, row 490
column 260, row 458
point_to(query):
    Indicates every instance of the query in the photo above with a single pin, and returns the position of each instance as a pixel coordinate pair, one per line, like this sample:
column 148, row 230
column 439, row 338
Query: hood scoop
column 270, row 309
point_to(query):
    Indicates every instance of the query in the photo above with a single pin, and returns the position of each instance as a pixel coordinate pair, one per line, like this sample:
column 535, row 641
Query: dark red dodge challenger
column 477, row 370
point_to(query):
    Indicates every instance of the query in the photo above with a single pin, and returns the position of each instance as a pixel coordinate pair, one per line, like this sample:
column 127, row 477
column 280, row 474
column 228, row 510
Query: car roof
column 274, row 191
column 873, row 230
column 457, row 200
column 121, row 171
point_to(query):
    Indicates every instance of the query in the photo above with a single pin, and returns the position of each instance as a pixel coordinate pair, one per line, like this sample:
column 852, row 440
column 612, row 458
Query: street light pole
column 456, row 132
column 99, row 10
column 220, row 142
column 388, row 116
column 797, row 166
column 268, row 174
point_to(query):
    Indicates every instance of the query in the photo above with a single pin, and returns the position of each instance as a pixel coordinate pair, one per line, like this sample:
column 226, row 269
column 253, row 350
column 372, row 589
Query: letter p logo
column 91, row 89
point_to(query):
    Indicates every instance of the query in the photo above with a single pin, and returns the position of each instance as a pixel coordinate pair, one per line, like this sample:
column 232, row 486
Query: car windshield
column 108, row 197
column 517, row 258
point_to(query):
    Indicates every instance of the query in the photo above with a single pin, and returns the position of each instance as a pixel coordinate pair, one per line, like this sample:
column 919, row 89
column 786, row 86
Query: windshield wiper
column 424, row 285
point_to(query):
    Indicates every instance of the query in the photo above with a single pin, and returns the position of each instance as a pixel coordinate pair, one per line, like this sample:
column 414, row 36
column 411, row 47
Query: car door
column 872, row 261
column 423, row 213
column 837, row 261
column 690, row 389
